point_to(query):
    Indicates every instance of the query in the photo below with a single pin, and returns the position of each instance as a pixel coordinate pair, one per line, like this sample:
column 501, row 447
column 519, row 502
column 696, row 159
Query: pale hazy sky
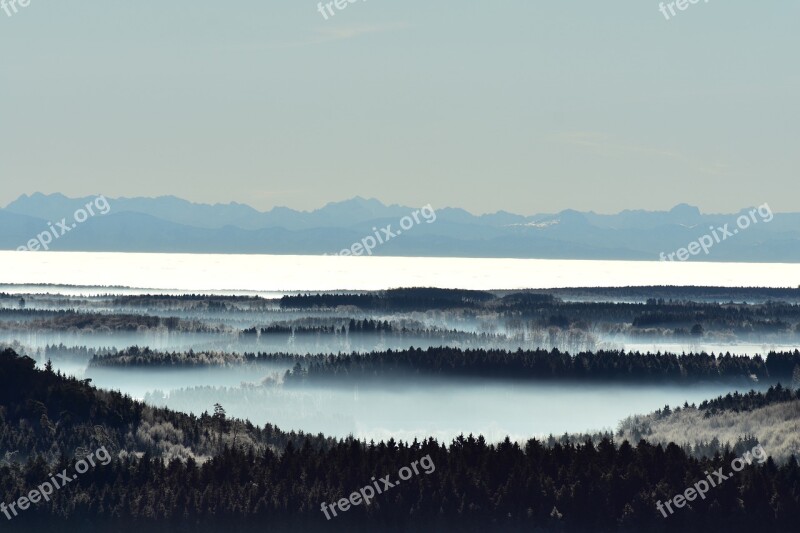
column 522, row 105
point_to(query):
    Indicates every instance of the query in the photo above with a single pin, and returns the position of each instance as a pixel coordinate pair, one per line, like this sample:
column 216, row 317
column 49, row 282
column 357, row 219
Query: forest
column 240, row 477
column 611, row 365
column 319, row 363
column 320, row 323
column 603, row 365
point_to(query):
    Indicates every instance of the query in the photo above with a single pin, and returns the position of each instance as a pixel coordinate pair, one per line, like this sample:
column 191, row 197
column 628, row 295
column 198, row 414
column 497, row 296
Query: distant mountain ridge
column 172, row 224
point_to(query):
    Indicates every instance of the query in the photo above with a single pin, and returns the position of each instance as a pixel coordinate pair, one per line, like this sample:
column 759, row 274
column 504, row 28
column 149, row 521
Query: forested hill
column 451, row 362
column 603, row 365
column 623, row 302
column 248, row 484
column 45, row 412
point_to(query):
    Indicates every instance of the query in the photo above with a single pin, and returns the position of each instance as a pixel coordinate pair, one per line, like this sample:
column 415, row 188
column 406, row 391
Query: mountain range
column 171, row 224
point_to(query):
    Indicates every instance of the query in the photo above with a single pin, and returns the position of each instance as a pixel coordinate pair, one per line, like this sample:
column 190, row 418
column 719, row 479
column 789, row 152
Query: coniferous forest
column 182, row 397
column 240, row 477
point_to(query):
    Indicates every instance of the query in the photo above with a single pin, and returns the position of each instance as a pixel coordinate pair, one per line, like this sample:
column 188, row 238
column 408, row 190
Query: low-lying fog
column 328, row 343
column 403, row 410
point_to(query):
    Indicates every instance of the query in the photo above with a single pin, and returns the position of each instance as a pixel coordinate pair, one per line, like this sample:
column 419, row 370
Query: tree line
column 539, row 364
column 394, row 299
column 602, row 365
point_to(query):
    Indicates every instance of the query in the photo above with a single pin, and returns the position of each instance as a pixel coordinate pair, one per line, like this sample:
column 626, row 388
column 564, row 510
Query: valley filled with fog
column 189, row 352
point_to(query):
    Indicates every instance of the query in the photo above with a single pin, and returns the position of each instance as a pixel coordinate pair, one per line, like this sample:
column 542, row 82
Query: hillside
column 246, row 482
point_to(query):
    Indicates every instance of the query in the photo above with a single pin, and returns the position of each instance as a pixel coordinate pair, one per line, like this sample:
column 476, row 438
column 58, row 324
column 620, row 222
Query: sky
column 518, row 105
